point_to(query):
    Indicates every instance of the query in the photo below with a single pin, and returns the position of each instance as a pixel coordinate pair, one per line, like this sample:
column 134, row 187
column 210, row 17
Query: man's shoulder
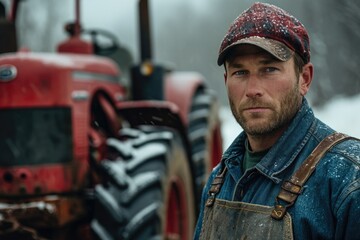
column 341, row 164
column 348, row 150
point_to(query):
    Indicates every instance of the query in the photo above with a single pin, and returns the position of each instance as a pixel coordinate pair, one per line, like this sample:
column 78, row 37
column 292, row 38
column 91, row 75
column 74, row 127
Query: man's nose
column 254, row 86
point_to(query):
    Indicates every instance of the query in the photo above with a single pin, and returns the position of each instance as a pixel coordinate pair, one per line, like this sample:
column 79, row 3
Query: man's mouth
column 256, row 109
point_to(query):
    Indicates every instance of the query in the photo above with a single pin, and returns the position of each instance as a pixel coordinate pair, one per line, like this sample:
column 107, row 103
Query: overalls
column 228, row 220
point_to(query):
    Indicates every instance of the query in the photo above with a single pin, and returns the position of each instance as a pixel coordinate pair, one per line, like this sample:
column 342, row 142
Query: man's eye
column 270, row 69
column 240, row 73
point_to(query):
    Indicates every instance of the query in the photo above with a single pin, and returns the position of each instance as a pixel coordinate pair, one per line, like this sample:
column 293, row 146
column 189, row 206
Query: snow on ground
column 342, row 114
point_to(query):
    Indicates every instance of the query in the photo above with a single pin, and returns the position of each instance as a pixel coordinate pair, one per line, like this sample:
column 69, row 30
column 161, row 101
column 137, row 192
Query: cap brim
column 275, row 48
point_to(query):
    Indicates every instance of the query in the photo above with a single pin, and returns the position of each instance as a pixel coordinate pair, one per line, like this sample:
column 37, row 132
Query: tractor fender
column 151, row 112
column 179, row 88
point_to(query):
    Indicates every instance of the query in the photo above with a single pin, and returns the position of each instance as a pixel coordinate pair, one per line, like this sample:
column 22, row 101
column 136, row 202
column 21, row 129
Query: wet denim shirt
column 329, row 205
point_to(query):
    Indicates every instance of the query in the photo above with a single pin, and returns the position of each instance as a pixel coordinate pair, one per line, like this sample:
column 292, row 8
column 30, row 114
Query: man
column 263, row 188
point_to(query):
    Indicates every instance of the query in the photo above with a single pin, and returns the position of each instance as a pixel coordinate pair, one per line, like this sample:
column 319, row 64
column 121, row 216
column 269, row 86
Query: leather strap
column 292, row 188
column 215, row 187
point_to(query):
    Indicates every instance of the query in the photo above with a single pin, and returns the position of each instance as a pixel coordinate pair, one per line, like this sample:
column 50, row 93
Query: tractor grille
column 32, row 136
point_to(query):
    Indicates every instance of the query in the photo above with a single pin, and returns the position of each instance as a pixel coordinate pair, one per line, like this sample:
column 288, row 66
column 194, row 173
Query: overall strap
column 216, row 186
column 292, row 188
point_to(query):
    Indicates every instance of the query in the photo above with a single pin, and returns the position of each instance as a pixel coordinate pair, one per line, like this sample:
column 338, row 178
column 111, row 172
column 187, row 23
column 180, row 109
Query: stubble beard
column 279, row 118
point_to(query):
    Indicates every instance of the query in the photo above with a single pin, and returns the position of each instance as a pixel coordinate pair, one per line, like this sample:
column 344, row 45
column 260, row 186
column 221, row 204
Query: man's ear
column 306, row 77
column 225, row 77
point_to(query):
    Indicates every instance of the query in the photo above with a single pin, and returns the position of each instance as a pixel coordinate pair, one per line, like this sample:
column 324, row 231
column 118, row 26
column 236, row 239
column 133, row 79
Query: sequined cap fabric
column 269, row 27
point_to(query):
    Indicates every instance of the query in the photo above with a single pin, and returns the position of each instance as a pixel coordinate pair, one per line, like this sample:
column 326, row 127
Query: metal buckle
column 210, row 201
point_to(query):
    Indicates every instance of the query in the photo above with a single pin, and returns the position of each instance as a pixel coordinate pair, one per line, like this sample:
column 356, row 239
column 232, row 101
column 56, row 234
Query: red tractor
column 81, row 157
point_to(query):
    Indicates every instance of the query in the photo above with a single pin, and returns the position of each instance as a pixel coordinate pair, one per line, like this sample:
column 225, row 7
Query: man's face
column 264, row 93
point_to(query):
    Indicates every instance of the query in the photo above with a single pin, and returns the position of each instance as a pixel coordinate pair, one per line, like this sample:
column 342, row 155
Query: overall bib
column 229, row 220
column 237, row 220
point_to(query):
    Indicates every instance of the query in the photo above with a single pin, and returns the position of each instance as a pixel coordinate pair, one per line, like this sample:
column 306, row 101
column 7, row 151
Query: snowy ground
column 341, row 114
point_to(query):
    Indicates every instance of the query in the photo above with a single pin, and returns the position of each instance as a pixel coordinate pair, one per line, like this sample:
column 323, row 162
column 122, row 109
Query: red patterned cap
column 268, row 27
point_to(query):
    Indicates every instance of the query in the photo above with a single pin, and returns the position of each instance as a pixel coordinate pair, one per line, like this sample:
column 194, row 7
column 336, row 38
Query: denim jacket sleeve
column 347, row 206
column 348, row 214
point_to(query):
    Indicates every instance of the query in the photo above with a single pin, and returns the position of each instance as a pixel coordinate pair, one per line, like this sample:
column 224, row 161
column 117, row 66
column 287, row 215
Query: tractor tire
column 148, row 192
column 204, row 136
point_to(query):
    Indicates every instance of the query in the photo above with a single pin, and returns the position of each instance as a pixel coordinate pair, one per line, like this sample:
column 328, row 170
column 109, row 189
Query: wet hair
column 299, row 64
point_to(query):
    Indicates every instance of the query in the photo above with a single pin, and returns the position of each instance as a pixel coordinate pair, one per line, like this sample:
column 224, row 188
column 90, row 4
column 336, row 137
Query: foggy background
column 186, row 34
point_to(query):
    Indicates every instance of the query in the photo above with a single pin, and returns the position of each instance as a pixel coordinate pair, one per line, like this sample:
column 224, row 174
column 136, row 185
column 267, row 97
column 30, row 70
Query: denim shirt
column 329, row 205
